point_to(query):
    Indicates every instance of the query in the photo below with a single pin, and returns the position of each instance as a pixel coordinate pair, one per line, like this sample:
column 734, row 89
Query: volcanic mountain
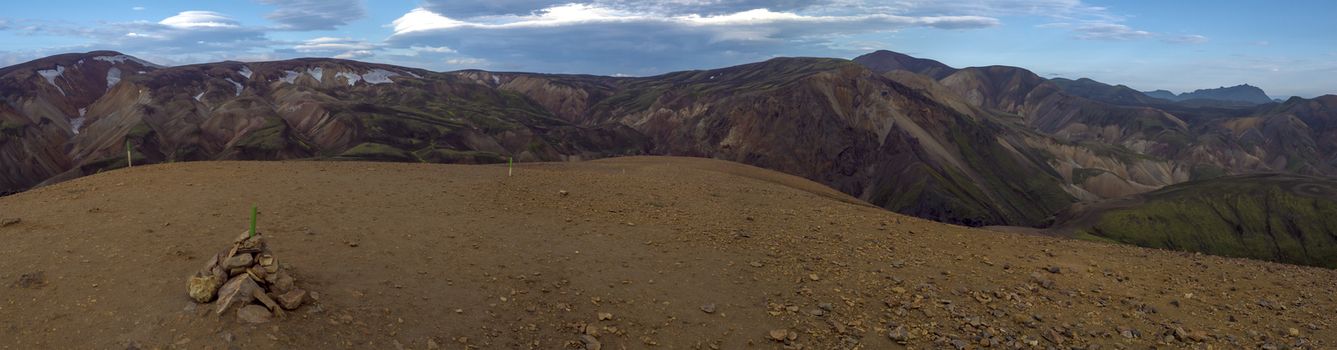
column 978, row 146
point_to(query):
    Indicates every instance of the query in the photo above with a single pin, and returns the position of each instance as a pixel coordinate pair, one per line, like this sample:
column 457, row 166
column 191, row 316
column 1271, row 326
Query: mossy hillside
column 1285, row 219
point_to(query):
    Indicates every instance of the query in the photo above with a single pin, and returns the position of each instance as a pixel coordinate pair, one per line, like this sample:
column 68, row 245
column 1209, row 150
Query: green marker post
column 253, row 215
column 510, row 166
column 129, row 160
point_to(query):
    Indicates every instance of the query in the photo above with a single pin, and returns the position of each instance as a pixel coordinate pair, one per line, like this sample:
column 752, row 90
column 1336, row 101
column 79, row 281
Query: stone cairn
column 246, row 278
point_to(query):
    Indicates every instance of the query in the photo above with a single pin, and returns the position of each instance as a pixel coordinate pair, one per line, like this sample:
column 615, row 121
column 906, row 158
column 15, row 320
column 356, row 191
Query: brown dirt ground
column 466, row 257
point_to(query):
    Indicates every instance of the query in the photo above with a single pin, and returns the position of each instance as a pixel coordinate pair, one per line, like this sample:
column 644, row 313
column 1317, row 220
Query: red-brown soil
column 416, row 256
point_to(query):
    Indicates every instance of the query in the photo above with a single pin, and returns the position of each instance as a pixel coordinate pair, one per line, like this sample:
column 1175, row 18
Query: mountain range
column 978, row 146
column 1243, row 93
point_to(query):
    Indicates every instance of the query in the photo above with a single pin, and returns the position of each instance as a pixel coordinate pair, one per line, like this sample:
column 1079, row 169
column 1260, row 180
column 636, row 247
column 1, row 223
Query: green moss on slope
column 1287, row 219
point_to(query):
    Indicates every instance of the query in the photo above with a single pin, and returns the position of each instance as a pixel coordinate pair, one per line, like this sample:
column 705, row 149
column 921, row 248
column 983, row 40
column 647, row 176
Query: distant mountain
column 884, row 61
column 1162, row 94
column 1113, row 94
column 1244, row 93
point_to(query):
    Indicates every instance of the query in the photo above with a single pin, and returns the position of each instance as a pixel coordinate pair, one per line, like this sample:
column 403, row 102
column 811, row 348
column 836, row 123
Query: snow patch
column 123, row 58
column 496, row 80
column 317, row 73
column 352, row 78
column 51, row 75
column 237, row 85
column 413, row 75
column 83, row 111
column 200, row 96
column 290, row 76
column 245, row 72
column 113, row 77
column 76, row 124
column 379, row 76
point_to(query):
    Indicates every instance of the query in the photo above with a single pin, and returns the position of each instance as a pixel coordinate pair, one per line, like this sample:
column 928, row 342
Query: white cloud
column 329, row 44
column 199, row 19
column 595, row 38
column 309, row 15
column 1193, row 39
column 355, row 54
column 423, row 20
column 466, row 62
column 138, row 8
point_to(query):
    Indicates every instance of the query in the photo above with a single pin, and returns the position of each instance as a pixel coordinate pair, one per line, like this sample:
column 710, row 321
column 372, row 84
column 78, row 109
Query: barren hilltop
column 623, row 253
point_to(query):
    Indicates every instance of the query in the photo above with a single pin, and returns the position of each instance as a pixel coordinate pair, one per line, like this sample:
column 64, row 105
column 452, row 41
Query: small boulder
column 283, row 282
column 242, row 261
column 238, row 291
column 203, row 289
column 292, row 299
column 7, row 222
column 254, row 314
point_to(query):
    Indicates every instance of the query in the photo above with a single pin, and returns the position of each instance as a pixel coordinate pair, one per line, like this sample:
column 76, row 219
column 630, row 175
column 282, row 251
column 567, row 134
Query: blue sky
column 1175, row 45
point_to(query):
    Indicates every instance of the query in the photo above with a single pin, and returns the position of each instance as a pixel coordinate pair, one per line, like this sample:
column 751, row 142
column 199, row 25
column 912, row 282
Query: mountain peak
column 882, row 61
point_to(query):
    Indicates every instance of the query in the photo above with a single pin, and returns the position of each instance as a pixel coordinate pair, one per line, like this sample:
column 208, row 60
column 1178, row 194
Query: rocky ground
column 626, row 253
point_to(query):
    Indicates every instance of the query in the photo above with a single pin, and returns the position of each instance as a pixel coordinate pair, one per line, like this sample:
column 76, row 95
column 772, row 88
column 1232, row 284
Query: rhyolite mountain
column 990, row 145
column 1243, row 93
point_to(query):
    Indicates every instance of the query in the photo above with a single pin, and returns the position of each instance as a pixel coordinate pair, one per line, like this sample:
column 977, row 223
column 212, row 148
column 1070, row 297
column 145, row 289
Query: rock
column 563, row 193
column 708, row 308
column 899, row 335
column 238, row 291
column 242, row 260
column 814, row 277
column 257, row 273
column 1042, row 281
column 756, row 264
column 7, row 222
column 203, row 289
column 292, row 299
column 604, row 316
column 254, row 314
column 779, row 335
column 432, row 345
column 252, row 244
column 283, row 282
column 1054, row 269
column 32, row 280
column 590, row 342
column 1293, row 332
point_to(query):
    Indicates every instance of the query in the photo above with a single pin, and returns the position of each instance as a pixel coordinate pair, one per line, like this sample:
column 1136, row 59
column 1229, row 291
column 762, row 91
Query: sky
column 1287, row 49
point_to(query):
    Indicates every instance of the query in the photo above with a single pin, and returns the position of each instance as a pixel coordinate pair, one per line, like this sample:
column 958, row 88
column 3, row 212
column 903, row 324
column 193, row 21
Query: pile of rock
column 247, row 278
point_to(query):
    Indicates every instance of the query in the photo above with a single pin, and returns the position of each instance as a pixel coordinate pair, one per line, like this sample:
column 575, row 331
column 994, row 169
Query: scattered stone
column 32, row 280
column 899, row 335
column 756, row 264
column 708, row 308
column 1293, row 332
column 563, row 193
column 1054, row 269
column 7, row 222
column 1042, row 281
column 432, row 345
column 814, row 277
column 604, row 316
column 590, row 342
column 254, row 314
column 779, row 335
